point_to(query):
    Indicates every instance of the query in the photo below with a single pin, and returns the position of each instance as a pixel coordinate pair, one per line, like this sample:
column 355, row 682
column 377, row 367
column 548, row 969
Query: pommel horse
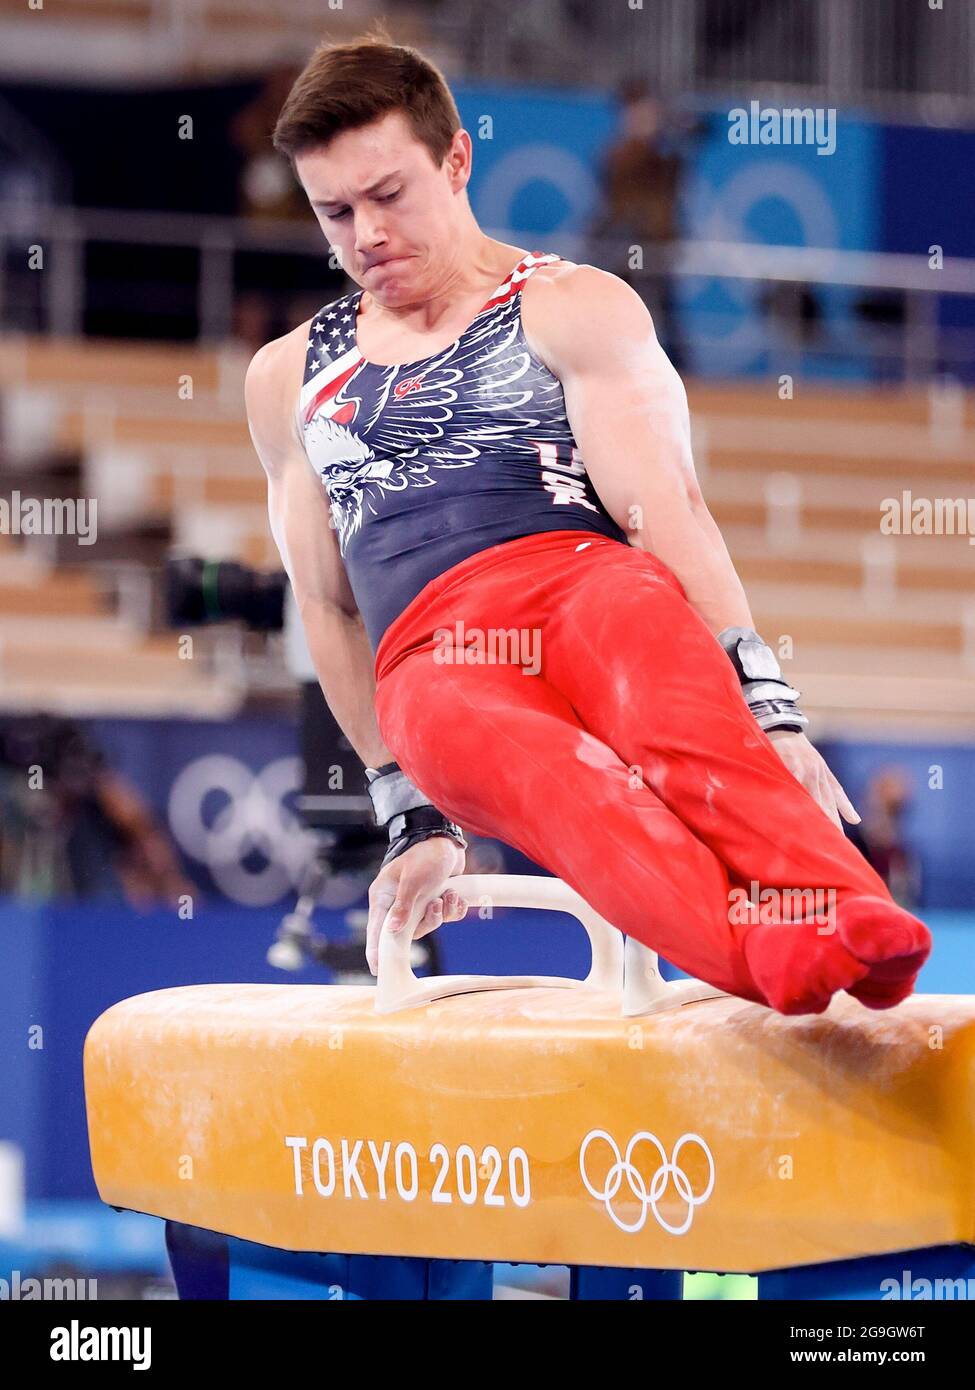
column 323, row 1141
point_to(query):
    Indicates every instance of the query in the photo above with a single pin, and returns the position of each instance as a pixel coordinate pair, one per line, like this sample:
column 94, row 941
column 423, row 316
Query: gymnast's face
column 393, row 218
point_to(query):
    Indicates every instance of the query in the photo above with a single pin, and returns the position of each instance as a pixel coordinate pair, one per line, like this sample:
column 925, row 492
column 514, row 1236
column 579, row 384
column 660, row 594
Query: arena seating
column 882, row 628
column 217, row 35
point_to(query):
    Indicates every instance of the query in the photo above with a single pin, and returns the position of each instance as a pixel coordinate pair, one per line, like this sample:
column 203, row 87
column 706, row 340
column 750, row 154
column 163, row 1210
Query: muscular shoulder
column 571, row 312
column 271, row 389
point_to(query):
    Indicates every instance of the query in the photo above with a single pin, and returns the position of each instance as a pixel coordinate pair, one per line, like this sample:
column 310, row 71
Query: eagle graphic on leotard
column 486, row 388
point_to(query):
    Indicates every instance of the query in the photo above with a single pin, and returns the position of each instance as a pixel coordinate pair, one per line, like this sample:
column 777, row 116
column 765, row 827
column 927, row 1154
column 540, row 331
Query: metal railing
column 896, row 53
column 892, row 52
column 211, row 284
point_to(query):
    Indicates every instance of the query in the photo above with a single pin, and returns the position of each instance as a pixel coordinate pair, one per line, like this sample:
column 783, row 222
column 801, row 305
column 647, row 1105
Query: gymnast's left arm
column 628, row 411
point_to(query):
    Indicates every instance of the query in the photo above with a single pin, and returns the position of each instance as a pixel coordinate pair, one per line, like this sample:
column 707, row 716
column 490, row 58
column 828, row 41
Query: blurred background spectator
column 883, row 838
column 71, row 827
column 267, row 187
column 640, row 182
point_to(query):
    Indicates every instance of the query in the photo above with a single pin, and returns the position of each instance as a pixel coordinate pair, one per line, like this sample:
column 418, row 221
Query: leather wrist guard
column 405, row 811
column 769, row 696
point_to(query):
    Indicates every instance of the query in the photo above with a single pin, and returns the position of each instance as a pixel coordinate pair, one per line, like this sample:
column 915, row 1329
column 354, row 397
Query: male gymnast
column 522, row 613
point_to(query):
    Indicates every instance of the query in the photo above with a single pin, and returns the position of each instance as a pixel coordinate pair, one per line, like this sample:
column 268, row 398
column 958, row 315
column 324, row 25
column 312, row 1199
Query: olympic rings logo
column 647, row 1189
column 241, row 825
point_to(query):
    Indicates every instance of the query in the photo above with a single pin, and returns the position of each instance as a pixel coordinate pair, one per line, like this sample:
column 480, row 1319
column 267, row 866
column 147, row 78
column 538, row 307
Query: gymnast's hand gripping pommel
column 425, row 850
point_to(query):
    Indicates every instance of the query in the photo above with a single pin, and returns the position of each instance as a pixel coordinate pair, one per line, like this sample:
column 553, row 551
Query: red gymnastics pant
column 631, row 767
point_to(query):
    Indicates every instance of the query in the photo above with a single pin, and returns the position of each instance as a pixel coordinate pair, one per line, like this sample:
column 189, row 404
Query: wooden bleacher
column 872, row 649
column 210, row 36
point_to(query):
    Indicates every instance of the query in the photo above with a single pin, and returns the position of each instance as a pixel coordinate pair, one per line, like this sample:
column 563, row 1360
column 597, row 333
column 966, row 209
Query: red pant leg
column 647, row 677
column 504, row 754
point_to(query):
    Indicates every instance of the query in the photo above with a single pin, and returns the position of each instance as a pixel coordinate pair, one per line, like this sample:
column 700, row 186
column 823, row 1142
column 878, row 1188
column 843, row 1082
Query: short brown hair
column 344, row 86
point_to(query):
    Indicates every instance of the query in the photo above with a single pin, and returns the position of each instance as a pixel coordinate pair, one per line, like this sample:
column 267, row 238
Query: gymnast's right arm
column 301, row 525
column 412, row 883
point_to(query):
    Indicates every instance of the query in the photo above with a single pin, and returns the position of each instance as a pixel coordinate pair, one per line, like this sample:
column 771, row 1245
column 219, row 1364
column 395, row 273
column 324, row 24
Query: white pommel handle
column 620, row 965
column 398, row 988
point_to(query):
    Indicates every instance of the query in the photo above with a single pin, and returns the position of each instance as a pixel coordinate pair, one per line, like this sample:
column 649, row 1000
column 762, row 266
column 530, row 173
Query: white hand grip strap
column 643, row 991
